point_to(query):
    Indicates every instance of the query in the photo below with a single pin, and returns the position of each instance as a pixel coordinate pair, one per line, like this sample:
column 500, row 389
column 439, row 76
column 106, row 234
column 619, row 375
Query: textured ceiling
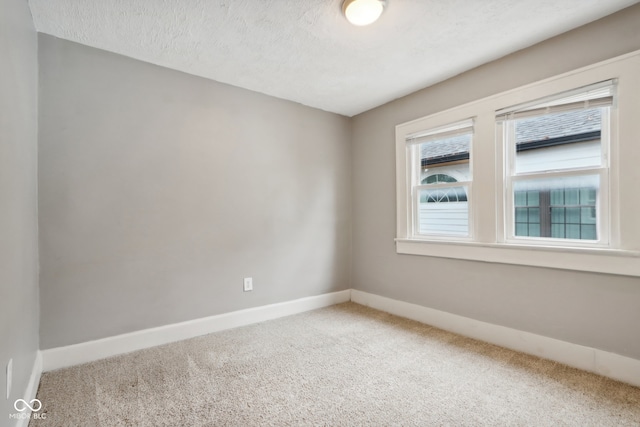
column 305, row 51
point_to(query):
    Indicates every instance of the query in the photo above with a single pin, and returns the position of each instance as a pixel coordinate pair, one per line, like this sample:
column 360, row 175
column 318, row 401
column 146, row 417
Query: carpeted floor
column 345, row 365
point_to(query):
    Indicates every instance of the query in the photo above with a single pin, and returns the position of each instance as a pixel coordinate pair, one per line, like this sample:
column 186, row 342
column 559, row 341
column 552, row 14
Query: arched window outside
column 445, row 195
column 438, row 177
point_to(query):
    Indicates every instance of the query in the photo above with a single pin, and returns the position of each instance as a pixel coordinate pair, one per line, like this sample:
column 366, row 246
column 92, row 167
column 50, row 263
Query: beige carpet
column 345, row 365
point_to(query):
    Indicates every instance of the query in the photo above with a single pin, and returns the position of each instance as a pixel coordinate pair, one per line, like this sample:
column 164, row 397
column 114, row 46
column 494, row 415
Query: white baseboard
column 607, row 364
column 90, row 351
column 32, row 387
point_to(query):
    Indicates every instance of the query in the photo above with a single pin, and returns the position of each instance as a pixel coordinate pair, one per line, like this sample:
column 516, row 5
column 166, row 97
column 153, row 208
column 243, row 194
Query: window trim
column 505, row 135
column 621, row 257
column 611, row 261
column 411, row 147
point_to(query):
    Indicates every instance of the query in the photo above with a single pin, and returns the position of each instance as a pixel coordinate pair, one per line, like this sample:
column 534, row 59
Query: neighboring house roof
column 445, row 148
column 558, row 125
column 528, row 131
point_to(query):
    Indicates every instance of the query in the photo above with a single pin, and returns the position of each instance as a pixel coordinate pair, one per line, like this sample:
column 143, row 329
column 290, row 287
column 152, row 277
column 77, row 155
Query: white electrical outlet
column 9, row 377
column 248, row 284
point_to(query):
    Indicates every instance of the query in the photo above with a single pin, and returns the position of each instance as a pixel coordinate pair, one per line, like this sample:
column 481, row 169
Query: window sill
column 609, row 261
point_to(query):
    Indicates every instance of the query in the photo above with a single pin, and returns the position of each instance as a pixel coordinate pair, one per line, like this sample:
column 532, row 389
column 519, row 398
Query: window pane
column 571, row 196
column 521, row 198
column 533, row 198
column 522, row 230
column 557, row 215
column 572, row 216
column 557, row 231
column 587, row 196
column 588, row 232
column 563, row 212
column 557, row 197
column 573, row 231
column 588, row 215
column 534, row 230
column 444, row 211
column 558, row 141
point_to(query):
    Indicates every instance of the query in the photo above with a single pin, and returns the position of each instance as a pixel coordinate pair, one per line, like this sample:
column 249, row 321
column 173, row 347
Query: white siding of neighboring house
column 579, row 154
column 444, row 218
column 452, row 218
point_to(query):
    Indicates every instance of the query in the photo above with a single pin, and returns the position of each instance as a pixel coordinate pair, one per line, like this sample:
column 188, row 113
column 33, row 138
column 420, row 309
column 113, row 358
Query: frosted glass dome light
column 363, row 12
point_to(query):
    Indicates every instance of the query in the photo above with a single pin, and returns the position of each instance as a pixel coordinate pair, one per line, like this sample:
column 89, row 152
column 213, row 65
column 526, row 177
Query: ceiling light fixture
column 363, row 12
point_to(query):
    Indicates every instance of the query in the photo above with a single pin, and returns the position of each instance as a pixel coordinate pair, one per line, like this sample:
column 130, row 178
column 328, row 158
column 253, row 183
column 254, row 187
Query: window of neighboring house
column 441, row 180
column 450, row 195
column 557, row 168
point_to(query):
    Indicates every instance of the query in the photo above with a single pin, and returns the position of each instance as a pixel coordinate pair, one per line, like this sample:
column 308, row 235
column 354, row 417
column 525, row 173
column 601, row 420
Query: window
column 441, row 180
column 557, row 213
column 557, row 169
column 451, row 195
column 542, row 175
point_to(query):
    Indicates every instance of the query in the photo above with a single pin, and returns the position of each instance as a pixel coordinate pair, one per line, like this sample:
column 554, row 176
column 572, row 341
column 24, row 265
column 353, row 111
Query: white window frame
column 506, row 136
column 489, row 242
column 412, row 146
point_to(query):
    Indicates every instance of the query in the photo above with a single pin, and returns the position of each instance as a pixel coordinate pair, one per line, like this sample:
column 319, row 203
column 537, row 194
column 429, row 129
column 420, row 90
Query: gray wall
column 18, row 199
column 595, row 310
column 160, row 191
